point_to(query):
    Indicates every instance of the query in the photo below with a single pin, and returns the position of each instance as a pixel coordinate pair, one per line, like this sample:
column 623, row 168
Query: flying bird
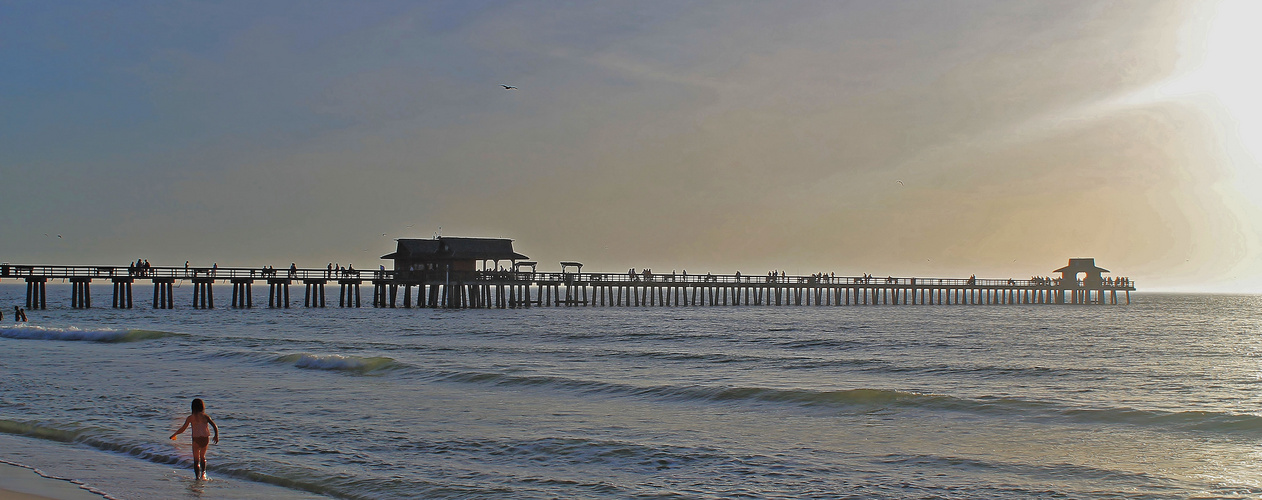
column 508, row 87
column 900, row 183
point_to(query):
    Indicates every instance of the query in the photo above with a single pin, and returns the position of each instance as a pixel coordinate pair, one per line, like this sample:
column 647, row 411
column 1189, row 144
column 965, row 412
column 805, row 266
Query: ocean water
column 1158, row 399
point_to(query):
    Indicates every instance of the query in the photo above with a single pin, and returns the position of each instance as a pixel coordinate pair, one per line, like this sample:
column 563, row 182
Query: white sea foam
column 338, row 362
column 34, row 332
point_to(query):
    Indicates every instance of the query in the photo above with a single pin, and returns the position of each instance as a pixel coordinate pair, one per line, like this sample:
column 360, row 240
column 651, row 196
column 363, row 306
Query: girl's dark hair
column 198, row 406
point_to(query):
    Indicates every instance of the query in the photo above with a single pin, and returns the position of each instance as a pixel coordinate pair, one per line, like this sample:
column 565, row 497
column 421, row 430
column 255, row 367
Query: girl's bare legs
column 199, row 461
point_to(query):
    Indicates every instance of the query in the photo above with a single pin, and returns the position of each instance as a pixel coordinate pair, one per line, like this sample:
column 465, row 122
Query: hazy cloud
column 996, row 138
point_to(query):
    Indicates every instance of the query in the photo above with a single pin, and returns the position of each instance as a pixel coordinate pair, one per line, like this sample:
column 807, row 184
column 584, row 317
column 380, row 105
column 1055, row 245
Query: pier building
column 418, row 258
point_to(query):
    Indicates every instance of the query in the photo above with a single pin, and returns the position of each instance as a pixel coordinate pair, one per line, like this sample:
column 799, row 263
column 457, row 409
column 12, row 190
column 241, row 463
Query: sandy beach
column 20, row 483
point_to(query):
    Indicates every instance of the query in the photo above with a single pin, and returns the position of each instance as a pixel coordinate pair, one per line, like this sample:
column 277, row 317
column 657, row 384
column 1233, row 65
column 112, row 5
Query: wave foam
column 338, row 362
column 867, row 400
column 74, row 333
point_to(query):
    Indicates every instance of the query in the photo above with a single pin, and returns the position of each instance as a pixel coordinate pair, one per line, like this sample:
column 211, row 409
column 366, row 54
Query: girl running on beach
column 201, row 436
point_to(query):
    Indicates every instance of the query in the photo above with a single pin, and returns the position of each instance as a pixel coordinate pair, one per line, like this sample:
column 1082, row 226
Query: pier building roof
column 454, row 248
column 1081, row 266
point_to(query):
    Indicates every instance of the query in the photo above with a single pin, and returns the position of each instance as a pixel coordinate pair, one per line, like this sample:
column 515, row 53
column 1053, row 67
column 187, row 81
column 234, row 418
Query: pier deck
column 513, row 289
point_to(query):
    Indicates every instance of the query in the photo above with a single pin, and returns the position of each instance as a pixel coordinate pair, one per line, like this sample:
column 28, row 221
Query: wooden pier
column 519, row 288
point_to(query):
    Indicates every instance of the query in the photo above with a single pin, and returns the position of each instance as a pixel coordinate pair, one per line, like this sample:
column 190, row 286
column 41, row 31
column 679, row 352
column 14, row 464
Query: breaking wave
column 107, row 335
column 869, row 400
column 337, row 362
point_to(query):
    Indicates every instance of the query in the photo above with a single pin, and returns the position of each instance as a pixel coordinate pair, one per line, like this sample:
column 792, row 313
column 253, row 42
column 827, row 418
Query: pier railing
column 740, row 279
column 509, row 289
column 231, row 273
column 218, row 273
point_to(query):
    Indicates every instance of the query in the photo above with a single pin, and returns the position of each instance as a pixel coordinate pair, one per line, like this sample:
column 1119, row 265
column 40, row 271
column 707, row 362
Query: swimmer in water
column 201, row 436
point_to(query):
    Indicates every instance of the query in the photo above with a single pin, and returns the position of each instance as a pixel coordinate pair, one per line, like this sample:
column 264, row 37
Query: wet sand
column 20, row 483
column 16, row 495
column 117, row 475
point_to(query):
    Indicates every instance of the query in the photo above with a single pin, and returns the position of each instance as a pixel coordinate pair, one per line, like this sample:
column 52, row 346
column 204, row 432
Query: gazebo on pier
column 1069, row 274
column 1080, row 290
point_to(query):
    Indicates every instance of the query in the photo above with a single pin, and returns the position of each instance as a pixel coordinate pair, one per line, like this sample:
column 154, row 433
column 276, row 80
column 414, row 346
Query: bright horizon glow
column 1229, row 73
column 1220, row 76
column 1220, row 67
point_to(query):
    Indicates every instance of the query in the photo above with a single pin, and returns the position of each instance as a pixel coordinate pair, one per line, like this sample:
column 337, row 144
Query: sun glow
column 1231, row 73
column 1227, row 70
column 1219, row 73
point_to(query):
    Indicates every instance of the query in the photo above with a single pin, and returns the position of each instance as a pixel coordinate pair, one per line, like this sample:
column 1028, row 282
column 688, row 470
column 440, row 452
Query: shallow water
column 1157, row 399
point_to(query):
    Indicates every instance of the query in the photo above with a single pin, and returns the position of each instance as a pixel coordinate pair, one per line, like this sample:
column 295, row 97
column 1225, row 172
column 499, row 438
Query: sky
column 904, row 138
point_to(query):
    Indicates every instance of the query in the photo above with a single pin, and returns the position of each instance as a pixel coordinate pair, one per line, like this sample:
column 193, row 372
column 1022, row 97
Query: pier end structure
column 1083, row 282
column 445, row 270
column 418, row 259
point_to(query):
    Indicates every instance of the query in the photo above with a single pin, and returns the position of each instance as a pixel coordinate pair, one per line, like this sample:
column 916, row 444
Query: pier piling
column 80, row 293
column 122, row 298
column 242, row 297
column 37, row 292
column 203, row 293
column 163, row 293
column 278, row 293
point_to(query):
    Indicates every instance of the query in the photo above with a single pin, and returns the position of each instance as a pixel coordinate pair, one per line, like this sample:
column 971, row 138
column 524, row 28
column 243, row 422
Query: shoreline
column 112, row 476
column 22, row 482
